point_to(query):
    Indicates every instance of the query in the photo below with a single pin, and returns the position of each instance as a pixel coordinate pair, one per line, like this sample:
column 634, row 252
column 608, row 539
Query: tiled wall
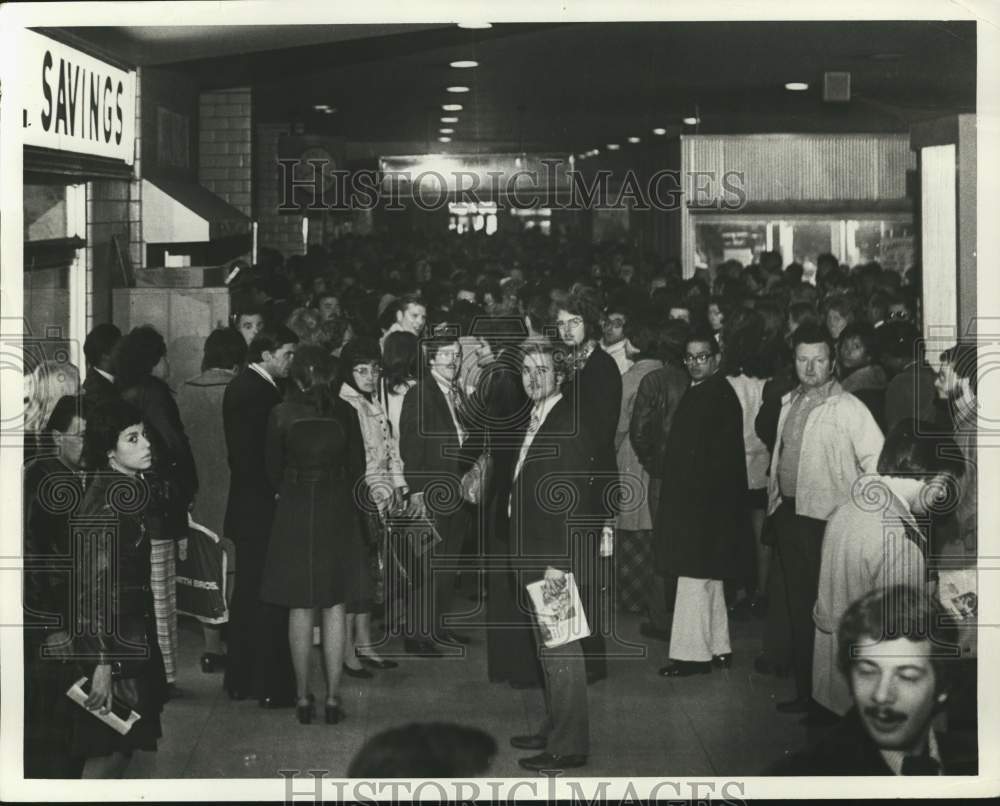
column 281, row 232
column 225, row 162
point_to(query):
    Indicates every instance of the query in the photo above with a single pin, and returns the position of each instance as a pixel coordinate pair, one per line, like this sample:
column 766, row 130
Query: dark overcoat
column 702, row 529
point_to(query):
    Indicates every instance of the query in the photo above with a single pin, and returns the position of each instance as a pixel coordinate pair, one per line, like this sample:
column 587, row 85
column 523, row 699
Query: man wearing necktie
column 435, row 449
column 899, row 655
column 548, row 488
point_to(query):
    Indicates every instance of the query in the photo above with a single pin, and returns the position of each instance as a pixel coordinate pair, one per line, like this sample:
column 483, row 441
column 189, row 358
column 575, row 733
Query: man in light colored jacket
column 826, row 440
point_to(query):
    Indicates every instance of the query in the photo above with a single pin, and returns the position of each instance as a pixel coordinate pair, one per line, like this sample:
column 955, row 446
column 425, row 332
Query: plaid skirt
column 163, row 581
column 634, row 568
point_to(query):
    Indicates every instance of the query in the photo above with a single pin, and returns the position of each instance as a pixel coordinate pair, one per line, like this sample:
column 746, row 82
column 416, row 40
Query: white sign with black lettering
column 74, row 102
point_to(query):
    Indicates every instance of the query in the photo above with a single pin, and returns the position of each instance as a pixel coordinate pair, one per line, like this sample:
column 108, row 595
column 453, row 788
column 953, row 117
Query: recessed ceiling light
column 446, row 131
column 464, row 63
column 594, row 152
column 444, row 139
column 613, row 146
column 691, row 121
column 633, row 139
column 447, row 119
column 475, row 25
column 452, row 107
column 796, row 86
column 320, row 107
column 659, row 132
column 458, row 89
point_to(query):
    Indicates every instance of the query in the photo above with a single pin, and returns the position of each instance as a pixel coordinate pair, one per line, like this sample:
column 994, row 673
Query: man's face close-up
column 614, row 328
column 538, row 376
column 893, row 683
column 413, row 319
column 447, row 360
column 701, row 363
column 813, row 364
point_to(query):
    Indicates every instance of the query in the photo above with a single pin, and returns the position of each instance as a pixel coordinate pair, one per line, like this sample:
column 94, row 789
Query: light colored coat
column 865, row 547
column 841, row 442
column 633, row 517
column 383, row 467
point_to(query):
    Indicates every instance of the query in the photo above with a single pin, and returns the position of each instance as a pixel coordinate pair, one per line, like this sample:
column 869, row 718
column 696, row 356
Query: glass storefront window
column 888, row 239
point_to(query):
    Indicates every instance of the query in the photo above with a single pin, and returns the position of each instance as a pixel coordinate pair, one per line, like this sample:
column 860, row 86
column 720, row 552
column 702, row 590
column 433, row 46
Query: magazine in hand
column 559, row 614
column 120, row 718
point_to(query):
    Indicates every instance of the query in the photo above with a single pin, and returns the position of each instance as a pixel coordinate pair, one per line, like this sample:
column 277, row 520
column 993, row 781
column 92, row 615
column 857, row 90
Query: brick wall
column 281, row 232
column 225, row 162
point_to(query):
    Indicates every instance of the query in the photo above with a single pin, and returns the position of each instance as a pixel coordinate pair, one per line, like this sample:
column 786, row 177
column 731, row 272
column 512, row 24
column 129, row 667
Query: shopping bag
column 201, row 576
column 559, row 614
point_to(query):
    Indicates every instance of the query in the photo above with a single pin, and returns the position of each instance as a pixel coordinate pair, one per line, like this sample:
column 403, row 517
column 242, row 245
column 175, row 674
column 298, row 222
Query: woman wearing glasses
column 596, row 384
column 378, row 492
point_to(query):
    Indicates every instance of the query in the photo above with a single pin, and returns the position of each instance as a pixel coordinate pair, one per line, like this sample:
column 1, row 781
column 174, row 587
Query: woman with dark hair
column 200, row 404
column 597, row 386
column 399, row 373
column 141, row 369
column 635, row 547
column 311, row 462
column 123, row 511
column 378, row 491
column 747, row 368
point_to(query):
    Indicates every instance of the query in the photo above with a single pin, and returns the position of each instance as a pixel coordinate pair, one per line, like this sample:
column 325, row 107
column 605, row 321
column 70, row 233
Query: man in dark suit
column 259, row 656
column 431, row 443
column 896, row 651
column 99, row 349
column 550, row 482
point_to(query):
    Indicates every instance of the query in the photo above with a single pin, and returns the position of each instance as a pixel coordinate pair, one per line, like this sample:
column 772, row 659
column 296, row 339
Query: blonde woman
column 43, row 388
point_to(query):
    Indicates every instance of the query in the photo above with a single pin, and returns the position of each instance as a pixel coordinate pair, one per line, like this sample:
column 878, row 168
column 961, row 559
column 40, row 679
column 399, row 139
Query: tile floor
column 641, row 725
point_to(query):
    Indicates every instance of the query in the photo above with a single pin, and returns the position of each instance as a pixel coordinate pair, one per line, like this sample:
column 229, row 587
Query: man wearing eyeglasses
column 700, row 527
column 826, row 440
column 614, row 342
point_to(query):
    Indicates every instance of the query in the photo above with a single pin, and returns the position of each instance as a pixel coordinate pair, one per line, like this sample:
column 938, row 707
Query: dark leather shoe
column 377, row 664
column 304, row 713
column 722, row 661
column 549, row 761
column 647, row 630
column 685, row 668
column 277, row 702
column 530, row 741
column 360, row 674
column 421, row 649
column 332, row 714
column 800, row 705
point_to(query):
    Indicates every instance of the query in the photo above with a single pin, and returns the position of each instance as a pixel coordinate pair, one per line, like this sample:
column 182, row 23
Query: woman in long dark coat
column 122, row 505
column 702, row 527
column 307, row 564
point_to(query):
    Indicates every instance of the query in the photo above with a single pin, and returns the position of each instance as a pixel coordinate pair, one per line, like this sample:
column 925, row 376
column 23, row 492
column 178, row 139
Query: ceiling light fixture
column 594, row 152
column 452, row 107
column 320, row 107
column 458, row 89
column 449, row 120
column 692, row 121
column 613, row 146
column 634, row 139
column 446, row 131
column 796, row 86
column 444, row 139
column 659, row 132
column 464, row 64
column 475, row 25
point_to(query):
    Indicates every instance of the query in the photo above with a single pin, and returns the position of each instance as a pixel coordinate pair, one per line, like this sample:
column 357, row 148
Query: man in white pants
column 702, row 527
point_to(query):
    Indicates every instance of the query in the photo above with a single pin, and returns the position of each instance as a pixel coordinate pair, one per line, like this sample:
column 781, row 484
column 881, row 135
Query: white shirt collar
column 106, row 375
column 894, row 758
column 264, row 374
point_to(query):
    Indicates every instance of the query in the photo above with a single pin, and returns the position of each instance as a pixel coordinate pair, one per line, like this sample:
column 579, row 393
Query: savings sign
column 74, row 102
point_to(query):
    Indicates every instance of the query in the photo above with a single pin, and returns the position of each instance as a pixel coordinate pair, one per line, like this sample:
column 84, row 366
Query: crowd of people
column 384, row 413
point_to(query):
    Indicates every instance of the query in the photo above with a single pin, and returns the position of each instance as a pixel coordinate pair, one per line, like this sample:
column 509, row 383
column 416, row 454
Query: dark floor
column 719, row 724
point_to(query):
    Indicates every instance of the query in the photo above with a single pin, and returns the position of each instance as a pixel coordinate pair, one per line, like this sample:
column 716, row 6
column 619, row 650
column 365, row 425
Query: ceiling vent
column 836, row 87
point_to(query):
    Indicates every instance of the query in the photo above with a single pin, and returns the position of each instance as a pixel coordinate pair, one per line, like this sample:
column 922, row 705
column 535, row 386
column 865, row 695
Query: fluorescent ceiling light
column 446, row 131
column 659, row 132
column 613, row 146
column 475, row 25
column 691, row 121
column 633, row 139
column 447, row 119
column 444, row 139
column 796, row 86
column 452, row 107
column 458, row 89
column 462, row 64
